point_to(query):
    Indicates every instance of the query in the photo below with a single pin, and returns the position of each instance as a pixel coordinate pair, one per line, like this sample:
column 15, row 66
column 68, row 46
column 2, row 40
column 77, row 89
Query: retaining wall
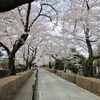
column 59, row 73
column 69, row 77
column 50, row 70
column 88, row 83
column 10, row 84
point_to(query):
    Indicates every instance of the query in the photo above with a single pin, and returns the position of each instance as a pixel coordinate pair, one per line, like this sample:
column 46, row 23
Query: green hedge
column 3, row 73
column 18, row 70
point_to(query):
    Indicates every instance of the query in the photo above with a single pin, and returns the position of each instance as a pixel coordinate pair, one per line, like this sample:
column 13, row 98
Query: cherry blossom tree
column 27, row 25
column 83, row 17
column 57, row 48
column 30, row 50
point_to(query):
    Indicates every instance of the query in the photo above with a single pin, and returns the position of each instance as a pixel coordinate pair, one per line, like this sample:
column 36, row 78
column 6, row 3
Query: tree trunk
column 56, row 64
column 50, row 66
column 65, row 67
column 88, row 68
column 26, row 67
column 30, row 65
column 11, row 64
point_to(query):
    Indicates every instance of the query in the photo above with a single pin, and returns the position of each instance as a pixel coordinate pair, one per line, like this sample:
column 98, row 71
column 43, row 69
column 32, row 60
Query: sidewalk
column 26, row 91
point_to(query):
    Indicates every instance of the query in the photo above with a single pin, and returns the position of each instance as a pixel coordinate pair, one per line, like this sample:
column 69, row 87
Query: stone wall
column 9, row 85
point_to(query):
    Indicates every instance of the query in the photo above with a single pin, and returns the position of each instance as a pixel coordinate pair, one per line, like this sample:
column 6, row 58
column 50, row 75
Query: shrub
column 72, row 67
column 18, row 70
column 3, row 64
column 60, row 65
column 3, row 73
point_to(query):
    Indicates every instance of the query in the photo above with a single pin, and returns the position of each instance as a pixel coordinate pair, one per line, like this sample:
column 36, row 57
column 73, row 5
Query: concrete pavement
column 26, row 91
column 52, row 87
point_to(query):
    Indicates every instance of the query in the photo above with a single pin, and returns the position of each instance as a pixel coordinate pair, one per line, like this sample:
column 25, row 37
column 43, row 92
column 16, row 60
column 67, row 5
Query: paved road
column 52, row 87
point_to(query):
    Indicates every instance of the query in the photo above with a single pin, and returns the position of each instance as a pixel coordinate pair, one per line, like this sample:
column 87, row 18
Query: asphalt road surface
column 52, row 87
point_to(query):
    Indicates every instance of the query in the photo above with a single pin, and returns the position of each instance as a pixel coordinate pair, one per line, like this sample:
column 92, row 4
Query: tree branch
column 46, row 16
column 6, row 5
column 19, row 43
column 39, row 14
column 87, row 4
column 94, row 40
column 49, row 5
column 27, row 18
column 6, row 48
column 21, row 19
